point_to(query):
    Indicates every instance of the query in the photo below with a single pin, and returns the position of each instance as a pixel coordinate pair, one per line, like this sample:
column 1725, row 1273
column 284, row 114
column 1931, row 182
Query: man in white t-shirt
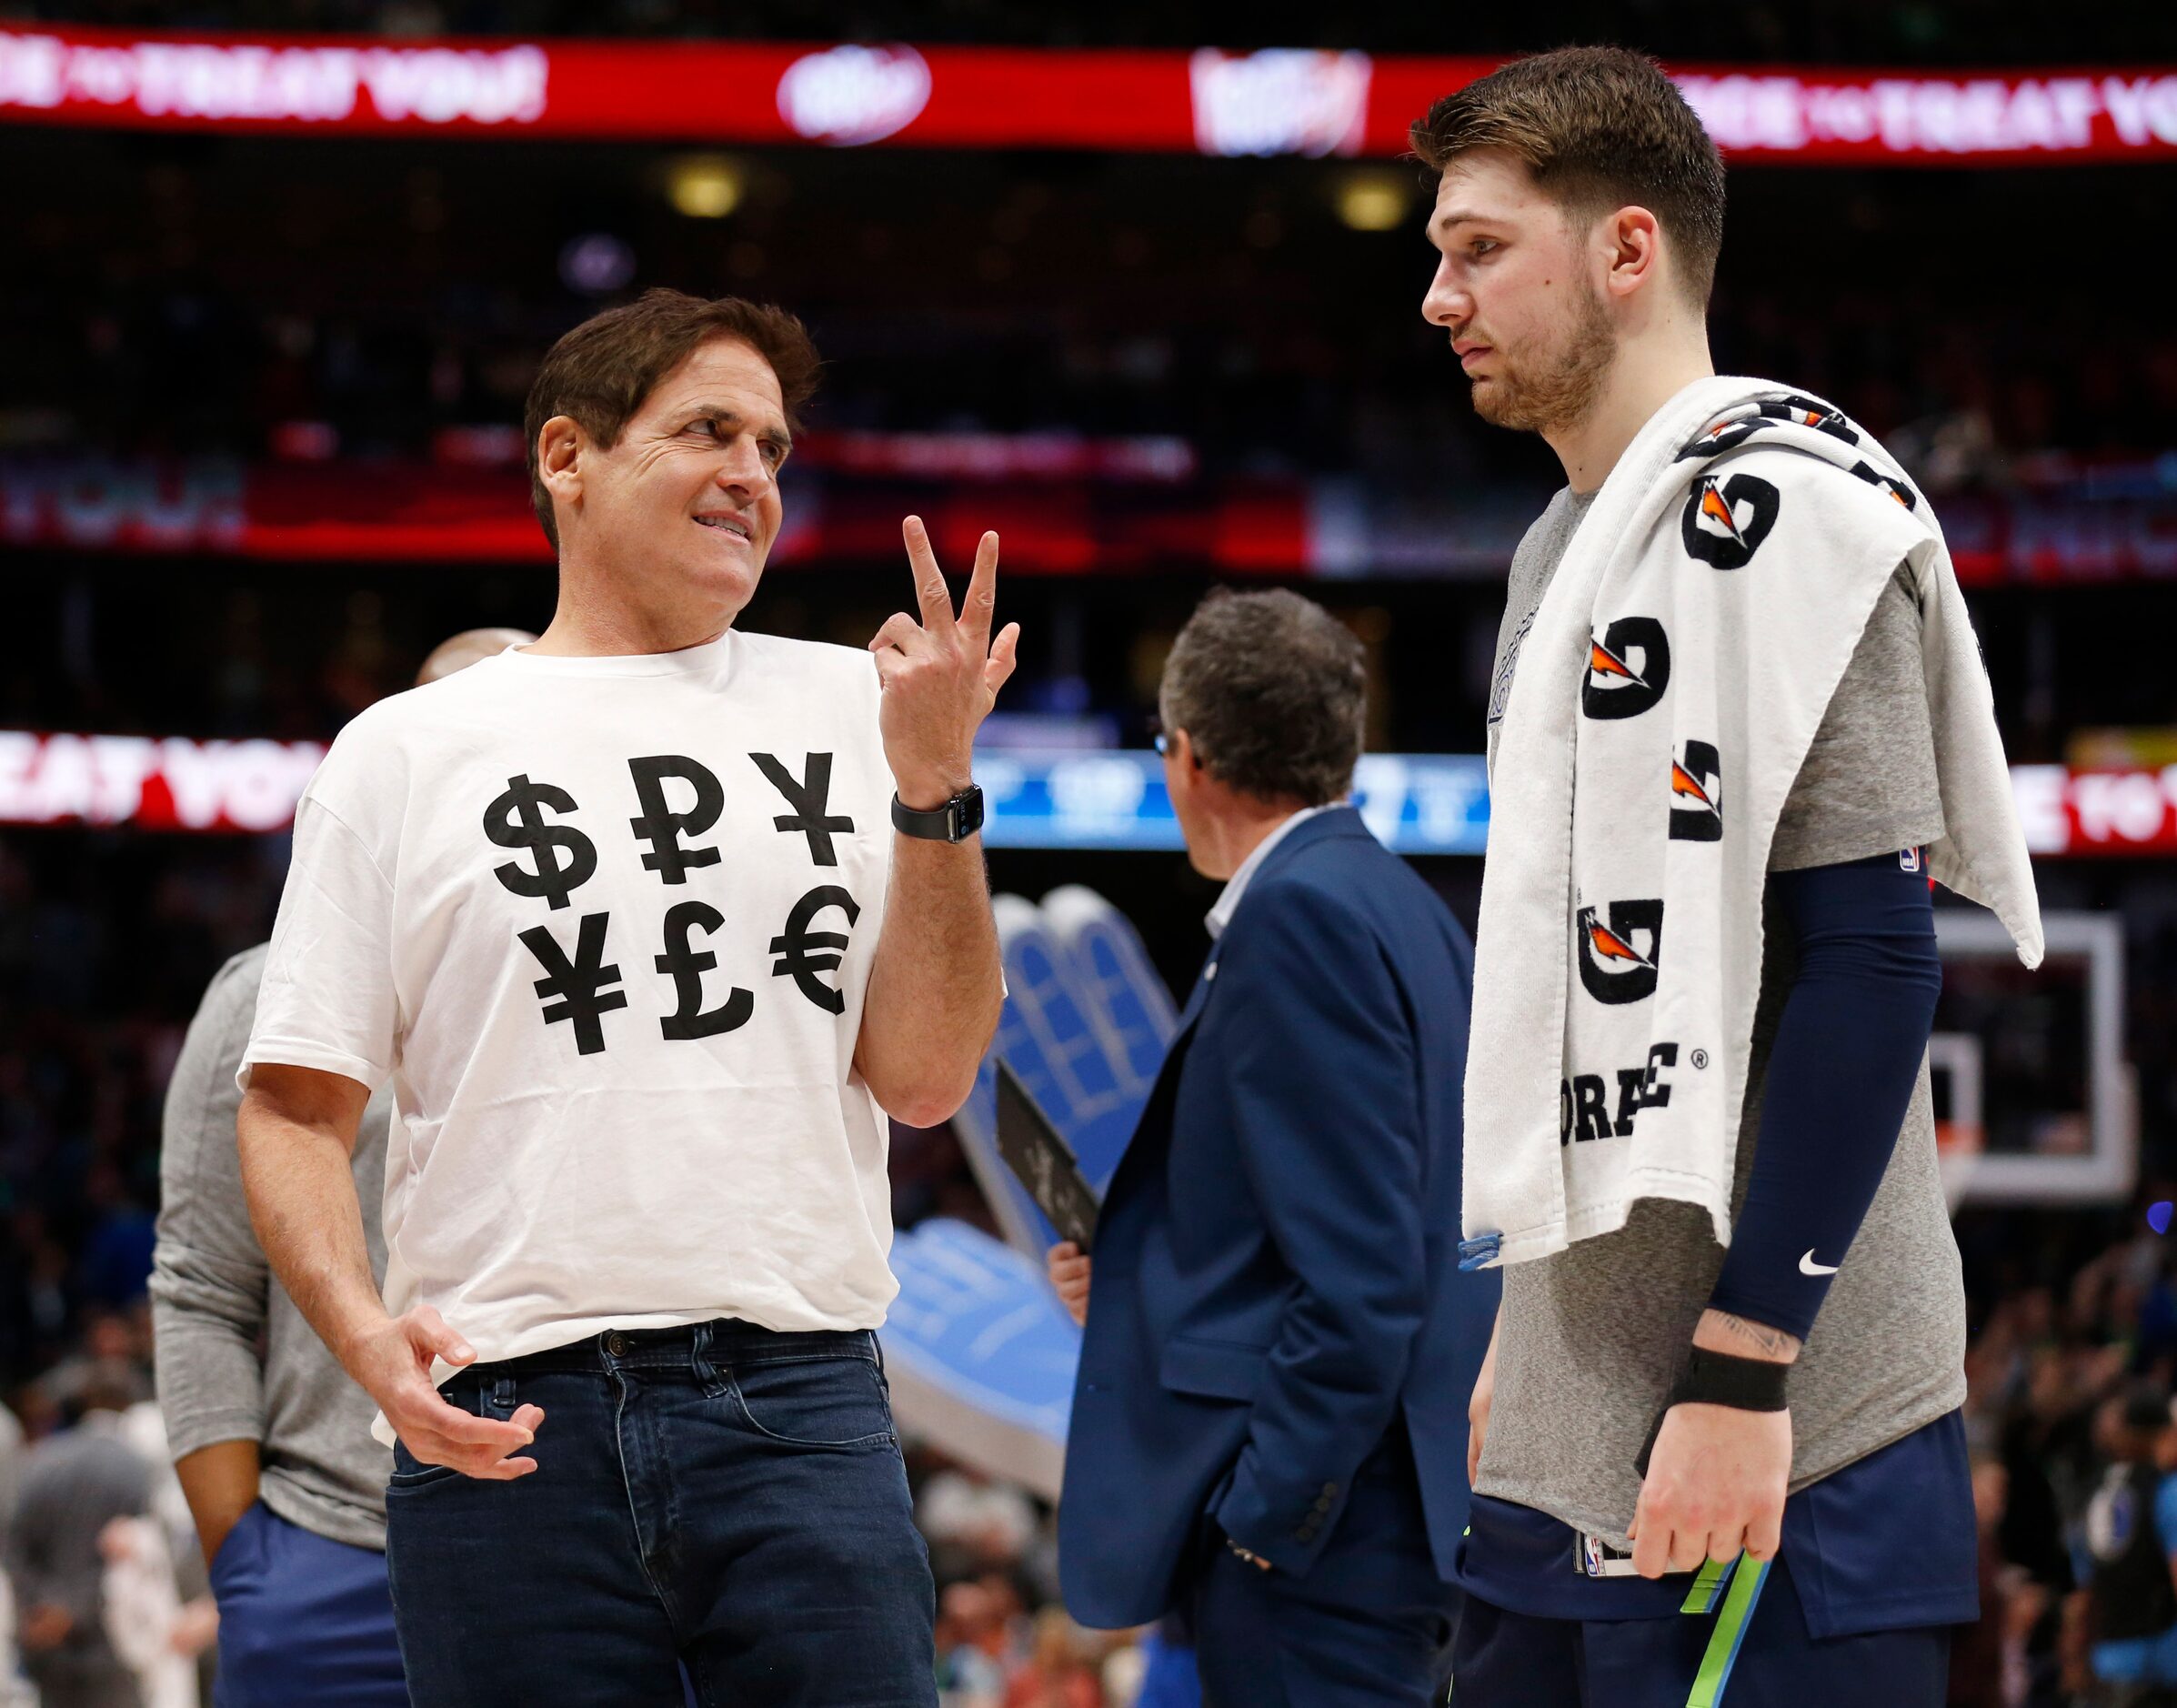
column 649, row 924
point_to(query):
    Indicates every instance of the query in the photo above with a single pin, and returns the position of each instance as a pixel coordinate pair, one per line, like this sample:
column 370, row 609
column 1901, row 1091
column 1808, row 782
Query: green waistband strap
column 1730, row 1633
column 1708, row 1586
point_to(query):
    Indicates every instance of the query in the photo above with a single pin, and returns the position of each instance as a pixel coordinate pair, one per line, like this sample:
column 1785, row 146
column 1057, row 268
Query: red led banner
column 151, row 783
column 1276, row 101
column 175, row 783
column 2126, row 811
column 348, row 512
column 1065, row 506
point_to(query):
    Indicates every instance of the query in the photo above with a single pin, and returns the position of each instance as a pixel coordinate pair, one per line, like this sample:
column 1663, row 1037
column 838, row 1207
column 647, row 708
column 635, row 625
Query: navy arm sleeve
column 1841, row 1076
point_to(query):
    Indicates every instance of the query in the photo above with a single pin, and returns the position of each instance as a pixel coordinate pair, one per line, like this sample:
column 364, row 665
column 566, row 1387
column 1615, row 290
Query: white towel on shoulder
column 1666, row 695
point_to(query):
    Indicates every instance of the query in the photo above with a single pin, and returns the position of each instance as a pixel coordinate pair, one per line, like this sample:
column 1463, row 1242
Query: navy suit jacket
column 1276, row 1272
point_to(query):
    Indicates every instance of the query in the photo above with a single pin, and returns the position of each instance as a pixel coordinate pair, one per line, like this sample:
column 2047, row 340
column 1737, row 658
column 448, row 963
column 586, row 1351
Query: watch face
column 970, row 809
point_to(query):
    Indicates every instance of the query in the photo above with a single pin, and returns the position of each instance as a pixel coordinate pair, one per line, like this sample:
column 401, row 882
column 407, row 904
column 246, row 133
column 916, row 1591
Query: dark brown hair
column 1273, row 691
column 600, row 372
column 1599, row 128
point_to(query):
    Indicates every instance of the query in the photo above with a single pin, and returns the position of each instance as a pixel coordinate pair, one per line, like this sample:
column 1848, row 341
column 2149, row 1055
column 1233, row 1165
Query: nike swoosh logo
column 1808, row 1266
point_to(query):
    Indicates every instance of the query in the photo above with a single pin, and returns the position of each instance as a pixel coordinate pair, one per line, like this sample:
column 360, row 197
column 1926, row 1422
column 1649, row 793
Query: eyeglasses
column 1158, row 739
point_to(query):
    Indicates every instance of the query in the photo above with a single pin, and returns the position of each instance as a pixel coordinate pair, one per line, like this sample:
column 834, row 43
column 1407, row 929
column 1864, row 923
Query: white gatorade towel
column 1672, row 682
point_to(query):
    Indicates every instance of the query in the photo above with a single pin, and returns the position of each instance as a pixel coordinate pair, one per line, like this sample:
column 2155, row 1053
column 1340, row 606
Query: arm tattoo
column 1773, row 1342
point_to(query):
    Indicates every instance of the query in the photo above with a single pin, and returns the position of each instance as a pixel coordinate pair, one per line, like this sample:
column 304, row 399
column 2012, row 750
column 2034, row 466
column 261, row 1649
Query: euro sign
column 566, row 858
column 804, row 954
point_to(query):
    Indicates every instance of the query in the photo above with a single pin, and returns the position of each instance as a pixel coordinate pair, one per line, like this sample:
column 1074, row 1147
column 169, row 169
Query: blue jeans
column 720, row 1496
column 302, row 1620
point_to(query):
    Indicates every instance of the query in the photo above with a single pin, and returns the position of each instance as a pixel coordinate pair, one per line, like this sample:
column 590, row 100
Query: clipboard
column 1042, row 1159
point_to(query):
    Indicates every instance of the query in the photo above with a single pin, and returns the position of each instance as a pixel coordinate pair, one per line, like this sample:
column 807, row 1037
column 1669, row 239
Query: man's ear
column 1183, row 749
column 1635, row 240
column 560, row 446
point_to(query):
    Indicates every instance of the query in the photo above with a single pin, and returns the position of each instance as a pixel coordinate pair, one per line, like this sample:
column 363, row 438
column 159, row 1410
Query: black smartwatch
column 957, row 820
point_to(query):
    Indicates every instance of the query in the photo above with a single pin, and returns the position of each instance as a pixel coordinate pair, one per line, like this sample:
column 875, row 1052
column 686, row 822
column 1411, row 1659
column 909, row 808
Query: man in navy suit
column 1270, row 1427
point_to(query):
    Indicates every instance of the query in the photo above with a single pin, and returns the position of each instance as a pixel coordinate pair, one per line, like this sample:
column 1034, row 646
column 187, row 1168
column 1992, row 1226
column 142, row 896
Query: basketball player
column 1654, row 1412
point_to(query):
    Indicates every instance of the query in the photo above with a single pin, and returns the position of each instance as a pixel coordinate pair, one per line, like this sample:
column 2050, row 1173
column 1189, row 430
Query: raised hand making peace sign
column 941, row 675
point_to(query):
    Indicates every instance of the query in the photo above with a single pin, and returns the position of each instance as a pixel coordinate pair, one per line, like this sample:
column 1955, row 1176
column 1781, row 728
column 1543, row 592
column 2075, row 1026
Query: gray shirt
column 73, row 1485
column 1592, row 1337
column 11, row 1464
column 237, row 1360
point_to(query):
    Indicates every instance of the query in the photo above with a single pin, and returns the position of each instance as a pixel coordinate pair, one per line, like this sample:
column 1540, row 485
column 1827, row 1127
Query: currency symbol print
column 804, row 954
column 575, row 990
column 686, row 965
column 566, row 858
column 809, row 798
column 663, row 827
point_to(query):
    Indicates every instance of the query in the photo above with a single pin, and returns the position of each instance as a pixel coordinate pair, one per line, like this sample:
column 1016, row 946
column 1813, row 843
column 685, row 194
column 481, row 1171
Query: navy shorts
column 1741, row 1641
column 303, row 1620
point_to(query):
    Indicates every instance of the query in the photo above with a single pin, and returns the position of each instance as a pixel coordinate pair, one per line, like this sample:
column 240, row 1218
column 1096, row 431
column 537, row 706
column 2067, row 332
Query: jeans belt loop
column 502, row 1394
column 699, row 1357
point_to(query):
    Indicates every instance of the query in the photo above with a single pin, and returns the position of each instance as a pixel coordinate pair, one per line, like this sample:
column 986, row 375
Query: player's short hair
column 1599, row 128
column 1272, row 690
column 602, row 372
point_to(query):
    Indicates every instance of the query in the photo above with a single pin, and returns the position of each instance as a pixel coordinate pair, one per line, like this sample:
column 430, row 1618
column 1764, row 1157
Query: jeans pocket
column 836, row 1402
column 491, row 1397
column 411, row 1473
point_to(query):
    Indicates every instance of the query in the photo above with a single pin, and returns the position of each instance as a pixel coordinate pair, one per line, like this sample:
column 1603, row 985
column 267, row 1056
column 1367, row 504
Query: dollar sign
column 564, row 858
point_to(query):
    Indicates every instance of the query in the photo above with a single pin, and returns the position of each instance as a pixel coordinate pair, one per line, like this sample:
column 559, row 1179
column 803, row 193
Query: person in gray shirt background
column 14, row 1690
column 270, row 1439
column 74, row 1483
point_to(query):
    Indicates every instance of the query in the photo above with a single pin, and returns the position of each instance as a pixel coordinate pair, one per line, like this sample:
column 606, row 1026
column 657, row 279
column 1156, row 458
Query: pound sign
column 564, row 858
column 809, row 798
column 795, row 945
column 661, row 826
column 686, row 965
column 579, row 985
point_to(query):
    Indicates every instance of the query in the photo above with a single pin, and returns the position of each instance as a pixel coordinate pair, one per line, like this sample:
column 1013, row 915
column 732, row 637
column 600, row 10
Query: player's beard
column 1550, row 390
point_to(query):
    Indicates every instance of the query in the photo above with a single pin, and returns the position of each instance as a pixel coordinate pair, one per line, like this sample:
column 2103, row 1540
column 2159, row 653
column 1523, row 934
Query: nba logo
column 1908, row 859
column 1593, row 1545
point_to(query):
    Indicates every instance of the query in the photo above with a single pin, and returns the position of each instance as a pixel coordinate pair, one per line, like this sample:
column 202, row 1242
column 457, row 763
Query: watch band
column 1744, row 1384
column 955, row 821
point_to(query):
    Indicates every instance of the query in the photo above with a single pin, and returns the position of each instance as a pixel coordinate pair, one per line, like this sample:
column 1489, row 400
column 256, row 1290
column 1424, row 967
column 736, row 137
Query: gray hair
column 1271, row 688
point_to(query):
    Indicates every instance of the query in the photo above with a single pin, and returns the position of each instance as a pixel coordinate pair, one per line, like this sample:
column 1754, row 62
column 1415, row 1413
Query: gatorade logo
column 1795, row 409
column 1812, row 412
column 1619, row 946
column 1629, row 666
column 1696, row 795
column 1725, row 436
column 1726, row 520
column 1897, row 490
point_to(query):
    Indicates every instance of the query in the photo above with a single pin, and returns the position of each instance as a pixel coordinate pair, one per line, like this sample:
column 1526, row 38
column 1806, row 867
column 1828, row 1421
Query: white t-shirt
column 607, row 923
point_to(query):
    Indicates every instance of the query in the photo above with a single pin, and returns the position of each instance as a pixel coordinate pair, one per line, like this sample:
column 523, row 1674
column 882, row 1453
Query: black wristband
column 955, row 821
column 1744, row 1384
